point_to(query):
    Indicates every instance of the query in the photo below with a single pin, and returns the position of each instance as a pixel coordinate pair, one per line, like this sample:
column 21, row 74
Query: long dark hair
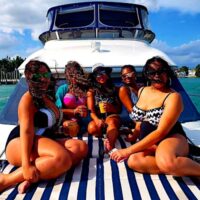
column 73, row 70
column 165, row 65
column 32, row 67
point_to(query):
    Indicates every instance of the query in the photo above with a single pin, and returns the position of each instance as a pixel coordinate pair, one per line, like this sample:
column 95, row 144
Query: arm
column 124, row 95
column 26, row 112
column 172, row 111
column 91, row 108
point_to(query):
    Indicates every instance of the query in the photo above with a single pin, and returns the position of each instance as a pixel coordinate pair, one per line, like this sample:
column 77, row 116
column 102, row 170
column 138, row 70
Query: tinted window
column 118, row 16
column 75, row 17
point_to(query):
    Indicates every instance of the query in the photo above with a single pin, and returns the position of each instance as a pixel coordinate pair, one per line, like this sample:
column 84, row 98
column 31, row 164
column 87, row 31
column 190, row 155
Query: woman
column 71, row 97
column 162, row 145
column 104, row 106
column 33, row 145
column 128, row 93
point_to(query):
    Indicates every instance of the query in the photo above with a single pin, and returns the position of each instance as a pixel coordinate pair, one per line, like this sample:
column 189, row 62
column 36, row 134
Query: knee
column 79, row 148
column 134, row 162
column 91, row 128
column 82, row 148
column 166, row 165
column 62, row 160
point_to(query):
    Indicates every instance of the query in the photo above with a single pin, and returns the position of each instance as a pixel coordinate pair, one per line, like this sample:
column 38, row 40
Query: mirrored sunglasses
column 38, row 76
column 128, row 75
column 100, row 73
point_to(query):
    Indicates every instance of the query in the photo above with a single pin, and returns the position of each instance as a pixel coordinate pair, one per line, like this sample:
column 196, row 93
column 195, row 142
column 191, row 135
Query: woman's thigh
column 41, row 147
column 171, row 147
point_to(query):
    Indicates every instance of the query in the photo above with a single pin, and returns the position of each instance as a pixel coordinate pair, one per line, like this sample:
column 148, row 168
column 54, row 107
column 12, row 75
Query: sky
column 176, row 24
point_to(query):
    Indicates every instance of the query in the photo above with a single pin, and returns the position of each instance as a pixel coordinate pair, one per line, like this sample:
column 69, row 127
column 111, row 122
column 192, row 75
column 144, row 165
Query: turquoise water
column 5, row 91
column 191, row 85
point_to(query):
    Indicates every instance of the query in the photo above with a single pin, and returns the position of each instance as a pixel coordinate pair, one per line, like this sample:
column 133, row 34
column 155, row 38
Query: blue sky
column 175, row 23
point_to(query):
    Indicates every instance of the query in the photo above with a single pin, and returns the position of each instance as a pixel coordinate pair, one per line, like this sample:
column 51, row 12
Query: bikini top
column 152, row 115
column 71, row 101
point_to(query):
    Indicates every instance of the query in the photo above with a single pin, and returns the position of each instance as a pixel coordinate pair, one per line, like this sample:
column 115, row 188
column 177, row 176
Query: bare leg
column 112, row 132
column 171, row 157
column 144, row 162
column 49, row 157
column 77, row 149
column 94, row 130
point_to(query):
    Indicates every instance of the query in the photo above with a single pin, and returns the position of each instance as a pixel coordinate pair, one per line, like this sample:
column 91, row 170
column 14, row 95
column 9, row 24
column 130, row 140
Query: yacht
column 115, row 33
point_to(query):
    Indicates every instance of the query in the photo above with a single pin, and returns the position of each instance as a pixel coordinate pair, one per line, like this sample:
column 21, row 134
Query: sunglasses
column 128, row 75
column 100, row 73
column 158, row 72
column 37, row 76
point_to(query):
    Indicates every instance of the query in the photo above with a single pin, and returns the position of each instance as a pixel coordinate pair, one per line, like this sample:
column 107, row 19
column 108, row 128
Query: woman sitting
column 162, row 145
column 33, row 146
column 128, row 94
column 71, row 97
column 104, row 106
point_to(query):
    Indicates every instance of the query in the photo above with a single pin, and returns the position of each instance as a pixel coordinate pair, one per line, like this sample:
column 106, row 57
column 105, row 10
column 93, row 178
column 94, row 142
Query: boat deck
column 98, row 177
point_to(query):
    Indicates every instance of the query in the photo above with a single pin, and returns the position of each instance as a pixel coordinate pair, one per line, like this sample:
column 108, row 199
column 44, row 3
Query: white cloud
column 18, row 16
column 186, row 54
column 187, row 6
column 7, row 41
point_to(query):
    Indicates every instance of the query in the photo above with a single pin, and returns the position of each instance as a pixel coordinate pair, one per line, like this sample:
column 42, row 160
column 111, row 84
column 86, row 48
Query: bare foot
column 3, row 185
column 23, row 186
column 107, row 145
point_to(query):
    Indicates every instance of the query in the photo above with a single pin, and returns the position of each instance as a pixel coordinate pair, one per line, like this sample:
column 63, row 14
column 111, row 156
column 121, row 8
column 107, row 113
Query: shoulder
column 174, row 101
column 26, row 102
column 174, row 96
column 124, row 89
column 145, row 89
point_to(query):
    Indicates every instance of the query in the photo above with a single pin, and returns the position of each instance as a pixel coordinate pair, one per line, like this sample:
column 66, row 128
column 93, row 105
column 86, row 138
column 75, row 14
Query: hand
column 120, row 155
column 31, row 174
column 81, row 111
column 100, row 123
column 108, row 107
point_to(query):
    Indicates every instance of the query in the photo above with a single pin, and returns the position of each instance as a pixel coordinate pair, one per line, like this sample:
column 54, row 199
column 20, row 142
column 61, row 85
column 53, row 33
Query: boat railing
column 93, row 33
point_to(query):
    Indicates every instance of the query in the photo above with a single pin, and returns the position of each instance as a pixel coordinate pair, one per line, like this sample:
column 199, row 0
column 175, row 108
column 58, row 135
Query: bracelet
column 131, row 115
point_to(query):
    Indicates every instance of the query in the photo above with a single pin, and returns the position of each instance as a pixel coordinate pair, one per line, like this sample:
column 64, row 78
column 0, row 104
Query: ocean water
column 191, row 85
column 5, row 91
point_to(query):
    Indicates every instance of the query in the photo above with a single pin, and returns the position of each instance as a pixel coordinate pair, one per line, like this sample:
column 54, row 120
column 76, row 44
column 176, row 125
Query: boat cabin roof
column 98, row 19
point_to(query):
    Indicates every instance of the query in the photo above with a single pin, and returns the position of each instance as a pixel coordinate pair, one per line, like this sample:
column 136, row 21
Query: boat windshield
column 76, row 17
column 98, row 20
column 118, row 16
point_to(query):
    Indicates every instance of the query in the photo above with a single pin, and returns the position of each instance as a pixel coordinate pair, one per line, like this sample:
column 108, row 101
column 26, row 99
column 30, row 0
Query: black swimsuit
column 45, row 124
column 151, row 118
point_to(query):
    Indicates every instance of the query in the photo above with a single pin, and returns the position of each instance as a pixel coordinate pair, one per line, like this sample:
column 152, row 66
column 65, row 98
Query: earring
column 170, row 81
column 148, row 82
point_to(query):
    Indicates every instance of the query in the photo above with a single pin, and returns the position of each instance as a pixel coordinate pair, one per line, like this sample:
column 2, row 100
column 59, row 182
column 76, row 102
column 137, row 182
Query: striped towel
column 98, row 177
